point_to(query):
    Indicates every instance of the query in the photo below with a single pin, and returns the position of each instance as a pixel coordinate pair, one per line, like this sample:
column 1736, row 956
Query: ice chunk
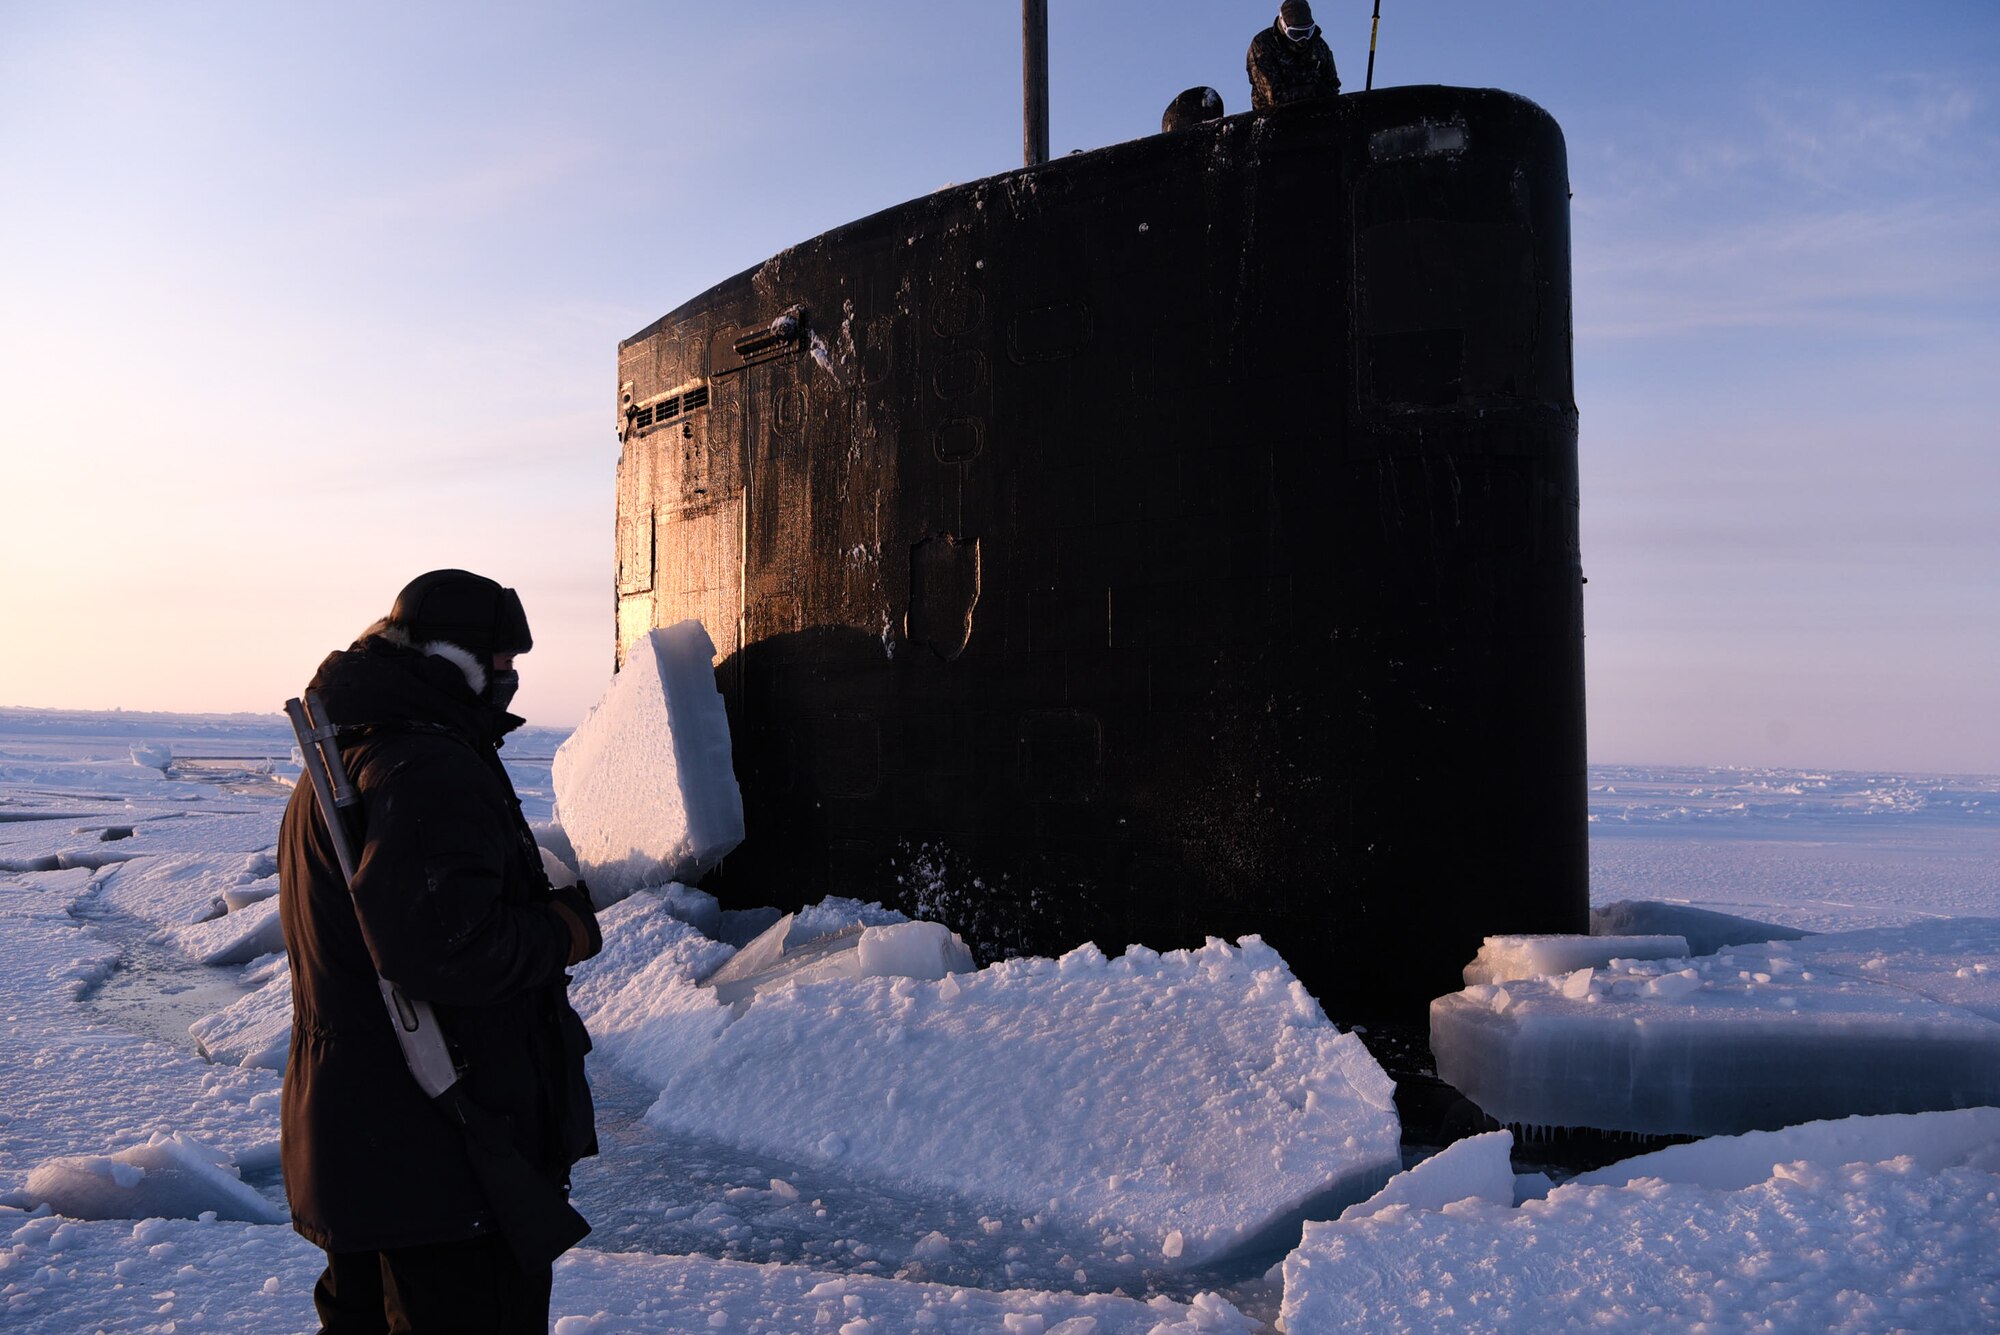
column 234, row 938
column 1705, row 930
column 1755, row 1038
column 152, row 755
column 928, row 950
column 1029, row 1083
column 925, row 950
column 758, row 955
column 252, row 892
column 1683, row 983
column 645, row 786
column 169, row 1177
column 254, row 1030
column 1503, row 958
column 1476, row 1168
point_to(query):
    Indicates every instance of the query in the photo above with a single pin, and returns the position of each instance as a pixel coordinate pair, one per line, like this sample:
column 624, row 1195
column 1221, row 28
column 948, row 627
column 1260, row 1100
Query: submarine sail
column 1173, row 540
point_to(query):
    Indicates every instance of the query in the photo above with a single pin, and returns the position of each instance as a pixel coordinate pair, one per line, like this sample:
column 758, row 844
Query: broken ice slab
column 1503, row 957
column 645, row 787
column 239, row 897
column 234, row 938
column 1476, row 1168
column 1196, row 1100
column 1898, row 1020
column 758, row 955
column 254, row 1030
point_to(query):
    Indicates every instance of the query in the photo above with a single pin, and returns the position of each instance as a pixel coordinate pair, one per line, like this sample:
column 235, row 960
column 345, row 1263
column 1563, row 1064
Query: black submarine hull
column 1170, row 541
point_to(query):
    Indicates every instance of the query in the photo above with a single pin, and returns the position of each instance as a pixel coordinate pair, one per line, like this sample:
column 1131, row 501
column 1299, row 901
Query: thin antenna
column 1373, row 28
column 1035, row 81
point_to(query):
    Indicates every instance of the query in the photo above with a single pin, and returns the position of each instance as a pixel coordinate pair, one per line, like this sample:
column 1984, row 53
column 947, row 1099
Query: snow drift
column 1866, row 1224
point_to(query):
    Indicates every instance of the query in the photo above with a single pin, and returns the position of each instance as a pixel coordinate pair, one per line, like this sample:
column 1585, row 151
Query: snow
column 646, row 786
column 1835, row 1228
column 1858, row 1224
column 63, row 1275
column 254, row 1030
column 1701, row 931
column 925, row 950
column 1932, row 1142
column 171, row 1176
column 624, row 1293
column 183, row 871
column 1813, row 851
column 1884, row 1020
column 1028, row 1082
column 151, row 755
column 235, row 938
column 1477, row 1168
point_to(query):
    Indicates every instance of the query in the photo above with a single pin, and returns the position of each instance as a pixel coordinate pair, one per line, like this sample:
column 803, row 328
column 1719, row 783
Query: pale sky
column 298, row 301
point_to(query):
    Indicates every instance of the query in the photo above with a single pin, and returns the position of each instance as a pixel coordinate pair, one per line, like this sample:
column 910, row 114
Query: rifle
column 533, row 1214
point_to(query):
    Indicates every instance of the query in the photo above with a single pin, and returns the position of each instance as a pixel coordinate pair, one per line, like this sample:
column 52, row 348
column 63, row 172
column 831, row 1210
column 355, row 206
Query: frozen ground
column 1813, row 850
column 1893, row 1228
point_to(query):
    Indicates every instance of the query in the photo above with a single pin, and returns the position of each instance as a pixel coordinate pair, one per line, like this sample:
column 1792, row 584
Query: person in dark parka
column 451, row 903
column 1289, row 61
column 1192, row 106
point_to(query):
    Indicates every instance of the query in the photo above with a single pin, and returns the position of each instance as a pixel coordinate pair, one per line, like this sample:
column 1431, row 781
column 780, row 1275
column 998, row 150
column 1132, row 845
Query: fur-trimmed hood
column 458, row 656
column 385, row 679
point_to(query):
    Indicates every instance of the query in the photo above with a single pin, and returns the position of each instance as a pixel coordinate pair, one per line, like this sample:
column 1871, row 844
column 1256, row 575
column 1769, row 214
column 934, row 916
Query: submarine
column 1172, row 540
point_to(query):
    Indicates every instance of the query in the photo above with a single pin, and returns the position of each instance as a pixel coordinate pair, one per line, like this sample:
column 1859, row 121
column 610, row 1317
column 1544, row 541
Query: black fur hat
column 465, row 609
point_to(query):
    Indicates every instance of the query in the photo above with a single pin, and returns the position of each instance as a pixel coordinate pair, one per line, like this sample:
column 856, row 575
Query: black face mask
column 501, row 683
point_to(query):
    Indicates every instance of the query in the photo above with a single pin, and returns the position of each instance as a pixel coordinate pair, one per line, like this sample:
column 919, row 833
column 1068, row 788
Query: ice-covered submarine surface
column 1172, row 540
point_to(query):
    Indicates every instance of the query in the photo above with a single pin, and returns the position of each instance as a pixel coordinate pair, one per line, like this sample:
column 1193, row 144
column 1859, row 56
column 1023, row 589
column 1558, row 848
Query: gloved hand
column 572, row 905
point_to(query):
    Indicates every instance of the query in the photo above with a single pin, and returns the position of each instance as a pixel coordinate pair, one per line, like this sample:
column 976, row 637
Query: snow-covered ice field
column 827, row 1158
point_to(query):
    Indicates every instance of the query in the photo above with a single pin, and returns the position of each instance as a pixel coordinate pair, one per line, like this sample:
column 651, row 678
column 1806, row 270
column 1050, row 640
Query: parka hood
column 384, row 680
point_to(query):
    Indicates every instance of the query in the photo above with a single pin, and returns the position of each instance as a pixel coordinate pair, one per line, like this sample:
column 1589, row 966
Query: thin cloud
column 1909, row 268
column 1865, row 213
column 1925, row 128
